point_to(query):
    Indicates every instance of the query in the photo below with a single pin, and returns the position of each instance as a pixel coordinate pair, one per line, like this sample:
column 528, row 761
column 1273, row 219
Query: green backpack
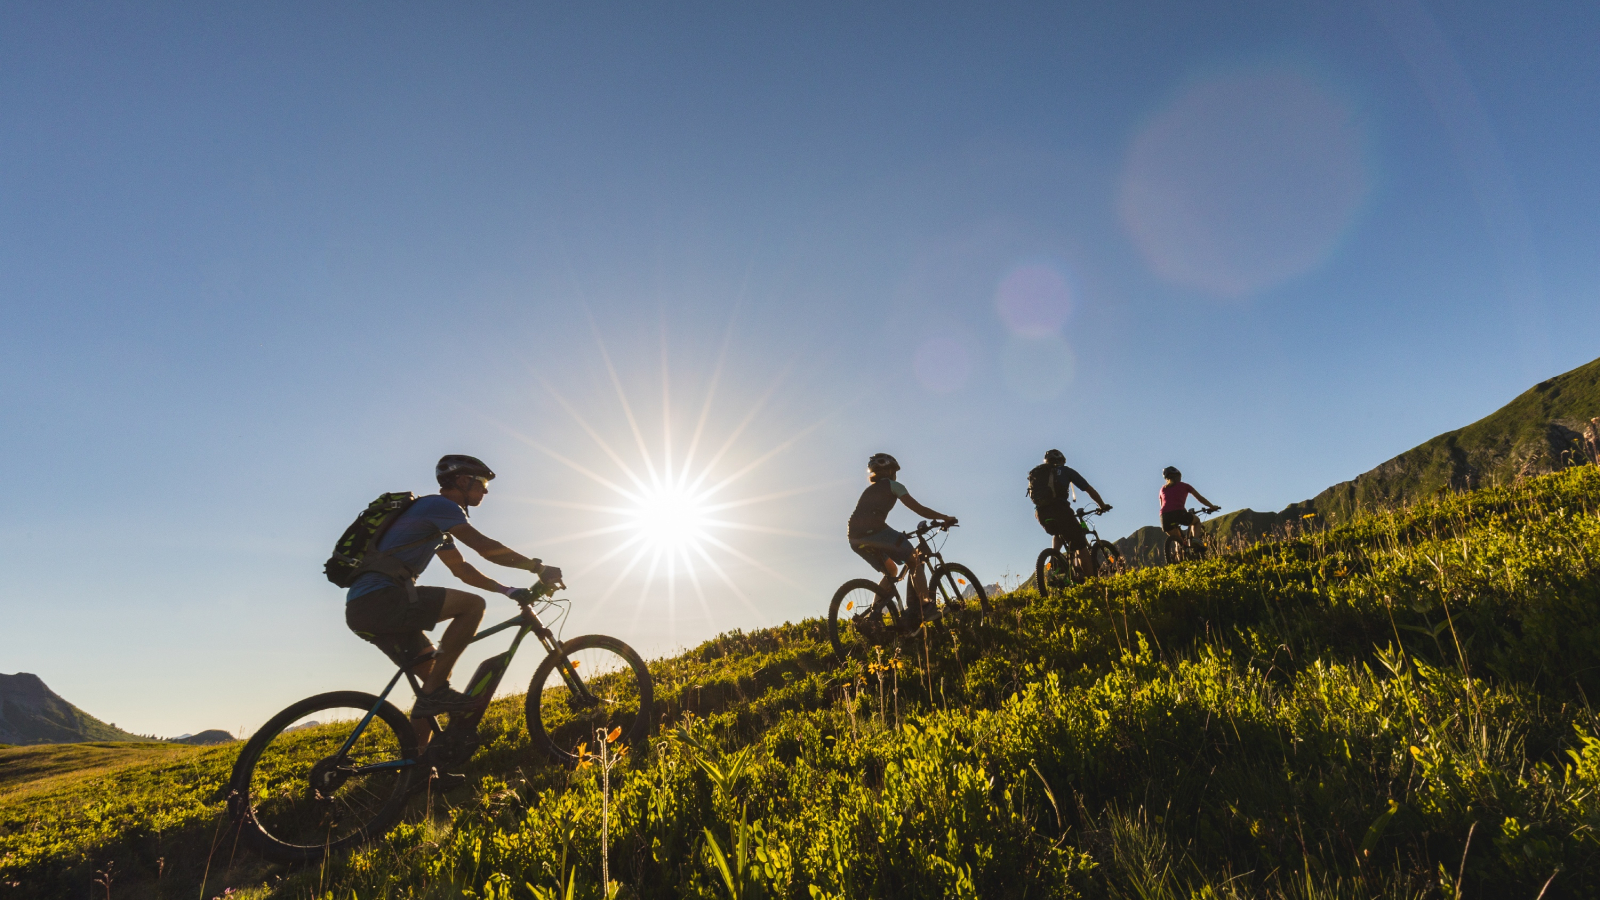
column 350, row 557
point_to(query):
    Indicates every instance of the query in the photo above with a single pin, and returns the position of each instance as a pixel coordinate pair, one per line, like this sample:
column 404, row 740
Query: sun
column 672, row 519
column 677, row 498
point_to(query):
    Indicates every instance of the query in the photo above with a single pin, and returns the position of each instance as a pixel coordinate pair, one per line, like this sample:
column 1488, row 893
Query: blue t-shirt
column 430, row 517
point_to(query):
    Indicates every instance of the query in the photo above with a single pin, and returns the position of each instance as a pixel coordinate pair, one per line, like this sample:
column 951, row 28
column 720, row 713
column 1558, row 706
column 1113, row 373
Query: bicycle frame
column 1084, row 515
column 925, row 555
column 483, row 683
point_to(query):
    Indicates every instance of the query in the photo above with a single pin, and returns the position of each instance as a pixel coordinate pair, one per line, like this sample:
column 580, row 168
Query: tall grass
column 1395, row 707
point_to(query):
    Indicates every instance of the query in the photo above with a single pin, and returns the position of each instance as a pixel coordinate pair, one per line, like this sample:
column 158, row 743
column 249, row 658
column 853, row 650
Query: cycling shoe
column 444, row 700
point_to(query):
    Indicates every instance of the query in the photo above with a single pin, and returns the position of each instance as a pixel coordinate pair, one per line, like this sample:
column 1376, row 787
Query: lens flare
column 1247, row 180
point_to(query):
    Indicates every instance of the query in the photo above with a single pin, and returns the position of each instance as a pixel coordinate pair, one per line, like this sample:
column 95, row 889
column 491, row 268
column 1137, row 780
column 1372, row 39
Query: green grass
column 1397, row 707
column 35, row 769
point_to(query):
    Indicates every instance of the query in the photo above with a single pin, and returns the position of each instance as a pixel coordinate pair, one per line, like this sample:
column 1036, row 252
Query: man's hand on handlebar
column 1104, row 508
column 551, row 575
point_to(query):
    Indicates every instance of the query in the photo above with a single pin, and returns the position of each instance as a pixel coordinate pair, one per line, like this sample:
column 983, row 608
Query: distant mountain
column 213, row 736
column 31, row 713
column 1553, row 424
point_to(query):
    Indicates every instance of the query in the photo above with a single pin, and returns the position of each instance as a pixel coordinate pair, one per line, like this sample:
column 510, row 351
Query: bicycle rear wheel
column 299, row 793
column 1107, row 561
column 1052, row 572
column 952, row 585
column 622, row 693
column 862, row 614
column 1172, row 550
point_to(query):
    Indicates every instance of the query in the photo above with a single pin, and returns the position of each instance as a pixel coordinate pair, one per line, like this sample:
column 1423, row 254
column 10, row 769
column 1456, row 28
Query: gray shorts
column 882, row 545
column 387, row 618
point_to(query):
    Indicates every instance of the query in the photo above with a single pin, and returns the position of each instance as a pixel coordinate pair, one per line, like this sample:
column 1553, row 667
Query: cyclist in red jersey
column 1174, row 494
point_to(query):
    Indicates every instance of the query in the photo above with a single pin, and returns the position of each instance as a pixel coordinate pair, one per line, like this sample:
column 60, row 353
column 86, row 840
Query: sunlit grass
column 1332, row 714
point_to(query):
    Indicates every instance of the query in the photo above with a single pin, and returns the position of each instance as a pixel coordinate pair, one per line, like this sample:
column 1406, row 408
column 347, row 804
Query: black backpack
column 368, row 528
column 1041, row 485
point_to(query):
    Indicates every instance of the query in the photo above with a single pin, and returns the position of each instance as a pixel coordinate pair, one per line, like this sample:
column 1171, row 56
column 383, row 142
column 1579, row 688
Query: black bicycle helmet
column 881, row 463
column 1171, row 472
column 1055, row 457
column 454, row 464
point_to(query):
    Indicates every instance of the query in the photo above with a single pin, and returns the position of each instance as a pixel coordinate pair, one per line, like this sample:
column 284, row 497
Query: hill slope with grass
column 1395, row 706
column 31, row 713
column 1550, row 426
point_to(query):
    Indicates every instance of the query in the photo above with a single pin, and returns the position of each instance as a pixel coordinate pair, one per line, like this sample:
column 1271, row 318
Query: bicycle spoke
column 305, row 798
column 618, row 689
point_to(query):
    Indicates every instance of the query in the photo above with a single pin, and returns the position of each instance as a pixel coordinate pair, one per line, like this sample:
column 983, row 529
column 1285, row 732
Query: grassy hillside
column 1396, row 706
column 1541, row 431
column 38, row 769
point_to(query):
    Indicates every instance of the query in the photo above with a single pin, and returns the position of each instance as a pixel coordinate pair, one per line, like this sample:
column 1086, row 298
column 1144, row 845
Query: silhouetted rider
column 869, row 532
column 385, row 607
column 1050, row 486
column 1174, row 494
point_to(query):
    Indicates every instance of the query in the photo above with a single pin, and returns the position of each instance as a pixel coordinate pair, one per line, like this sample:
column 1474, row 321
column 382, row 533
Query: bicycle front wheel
column 320, row 776
column 1052, row 572
column 857, row 617
column 1107, row 561
column 619, row 693
column 953, row 585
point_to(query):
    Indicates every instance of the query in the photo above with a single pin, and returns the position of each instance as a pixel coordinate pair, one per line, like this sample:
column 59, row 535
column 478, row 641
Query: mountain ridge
column 1552, row 425
column 31, row 713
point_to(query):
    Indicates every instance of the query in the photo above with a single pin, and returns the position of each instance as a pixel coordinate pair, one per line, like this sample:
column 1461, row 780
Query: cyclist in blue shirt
column 385, row 606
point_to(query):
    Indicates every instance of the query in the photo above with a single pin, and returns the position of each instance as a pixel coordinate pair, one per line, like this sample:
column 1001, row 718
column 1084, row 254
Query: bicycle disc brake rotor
column 327, row 776
column 875, row 625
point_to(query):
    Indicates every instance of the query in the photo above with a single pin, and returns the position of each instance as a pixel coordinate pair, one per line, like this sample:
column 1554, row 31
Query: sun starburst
column 674, row 516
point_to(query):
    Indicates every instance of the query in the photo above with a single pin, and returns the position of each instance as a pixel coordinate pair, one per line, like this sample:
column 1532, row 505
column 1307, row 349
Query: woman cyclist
column 1174, row 494
column 869, row 532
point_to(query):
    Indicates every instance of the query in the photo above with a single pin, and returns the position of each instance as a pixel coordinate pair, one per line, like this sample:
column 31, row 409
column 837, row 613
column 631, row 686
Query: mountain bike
column 1192, row 547
column 335, row 770
column 871, row 613
column 1054, row 571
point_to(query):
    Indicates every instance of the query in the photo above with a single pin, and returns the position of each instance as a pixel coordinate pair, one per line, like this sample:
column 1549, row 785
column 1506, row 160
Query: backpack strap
column 385, row 563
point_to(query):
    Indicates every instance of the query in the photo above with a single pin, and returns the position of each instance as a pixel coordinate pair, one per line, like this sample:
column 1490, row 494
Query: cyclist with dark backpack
column 381, row 556
column 1049, row 486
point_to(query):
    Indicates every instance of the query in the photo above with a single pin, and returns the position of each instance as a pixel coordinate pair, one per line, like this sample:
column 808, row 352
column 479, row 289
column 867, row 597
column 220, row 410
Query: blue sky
column 258, row 265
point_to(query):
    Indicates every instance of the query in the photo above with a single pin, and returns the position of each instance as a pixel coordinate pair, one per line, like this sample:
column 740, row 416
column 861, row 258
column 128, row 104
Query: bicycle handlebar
column 541, row 590
column 925, row 526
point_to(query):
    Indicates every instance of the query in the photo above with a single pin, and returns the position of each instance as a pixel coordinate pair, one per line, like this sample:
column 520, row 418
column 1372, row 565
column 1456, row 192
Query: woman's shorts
column 882, row 545
column 387, row 618
column 1178, row 517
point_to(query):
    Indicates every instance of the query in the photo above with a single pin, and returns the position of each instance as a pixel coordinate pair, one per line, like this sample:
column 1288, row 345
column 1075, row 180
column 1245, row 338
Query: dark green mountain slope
column 1548, row 427
column 31, row 713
